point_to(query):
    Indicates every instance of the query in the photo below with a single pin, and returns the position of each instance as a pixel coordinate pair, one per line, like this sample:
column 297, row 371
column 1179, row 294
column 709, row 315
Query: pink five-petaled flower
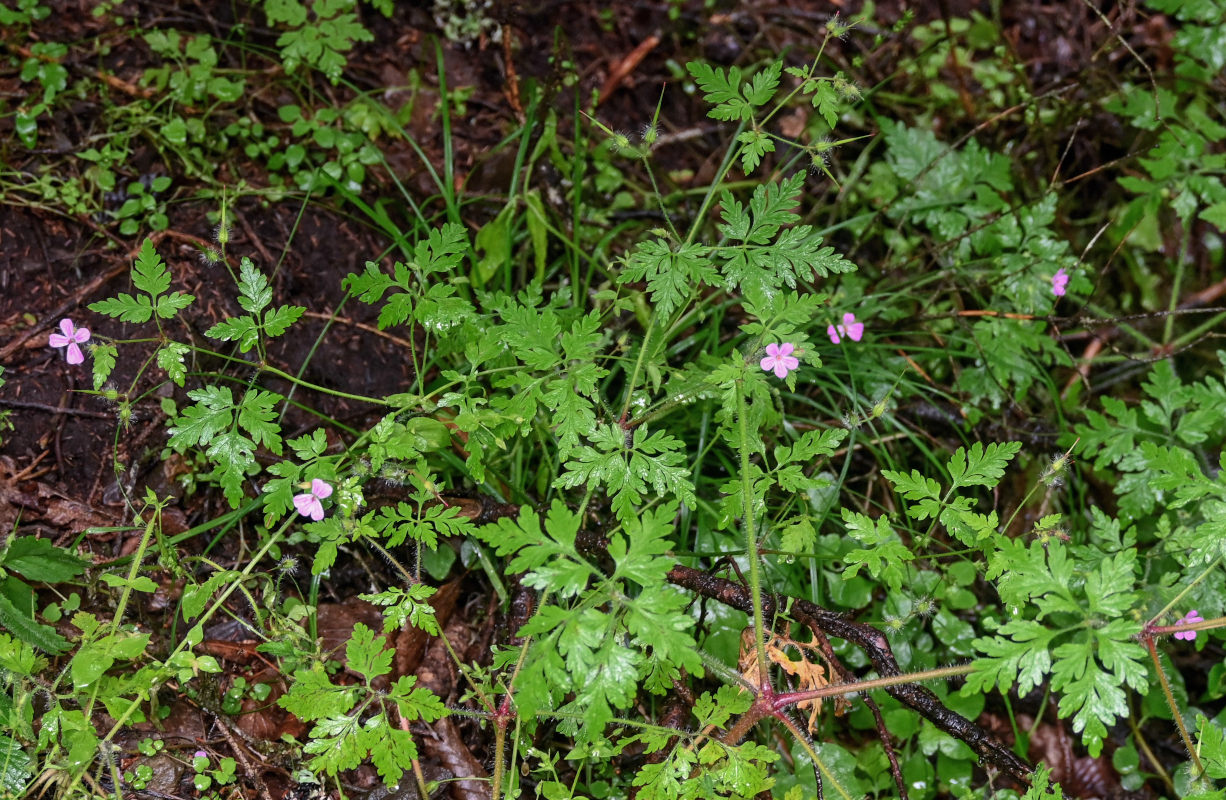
column 780, row 359
column 1191, row 617
column 1058, row 282
column 850, row 328
column 72, row 337
column 308, row 504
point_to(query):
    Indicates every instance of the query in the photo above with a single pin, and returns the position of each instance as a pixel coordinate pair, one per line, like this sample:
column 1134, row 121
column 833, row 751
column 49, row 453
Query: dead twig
column 622, row 69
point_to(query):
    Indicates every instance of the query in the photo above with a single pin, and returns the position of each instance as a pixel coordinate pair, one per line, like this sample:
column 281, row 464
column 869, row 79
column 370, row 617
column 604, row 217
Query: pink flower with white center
column 780, row 359
column 308, row 504
column 1058, row 282
column 72, row 337
column 1191, row 617
column 850, row 328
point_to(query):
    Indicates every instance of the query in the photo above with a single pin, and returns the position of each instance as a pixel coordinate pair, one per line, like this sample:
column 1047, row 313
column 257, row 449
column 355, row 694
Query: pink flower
column 1191, row 617
column 71, row 337
column 308, row 504
column 850, row 328
column 780, row 359
column 1058, row 282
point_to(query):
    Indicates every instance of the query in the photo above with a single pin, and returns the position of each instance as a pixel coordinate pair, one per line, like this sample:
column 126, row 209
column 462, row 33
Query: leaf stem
column 638, row 368
column 748, row 519
column 1148, row 639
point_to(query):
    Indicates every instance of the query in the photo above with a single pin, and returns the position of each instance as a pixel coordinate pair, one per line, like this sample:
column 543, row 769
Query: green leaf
column 1112, row 439
column 532, row 334
column 441, row 252
column 755, row 145
column 171, row 358
column 733, row 99
column 40, row 560
column 22, row 625
column 322, row 42
column 342, row 736
column 1109, row 589
column 609, row 671
column 310, row 447
column 104, row 362
column 406, row 607
column 149, row 274
column 256, row 415
column 236, row 329
column 981, row 466
column 125, row 308
column 724, row 91
column 716, row 711
column 197, row 424
column 760, row 91
column 915, row 486
column 640, row 552
column 1042, row 575
column 254, row 292
column 211, row 421
column 810, row 446
column 763, row 255
column 141, row 583
column 416, row 704
column 279, row 320
column 548, row 557
column 1090, row 695
column 312, row 696
column 196, row 597
column 672, row 272
column 233, row 453
column 883, row 553
column 827, row 100
column 365, row 653
column 658, row 620
column 171, row 304
column 574, row 415
column 392, row 750
column 16, row 768
column 1211, row 746
column 19, row 657
column 1024, row 658
column 628, row 465
column 798, row 536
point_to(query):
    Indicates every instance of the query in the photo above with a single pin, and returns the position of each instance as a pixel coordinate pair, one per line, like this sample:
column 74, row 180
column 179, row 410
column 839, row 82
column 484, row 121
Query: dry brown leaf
column 808, row 671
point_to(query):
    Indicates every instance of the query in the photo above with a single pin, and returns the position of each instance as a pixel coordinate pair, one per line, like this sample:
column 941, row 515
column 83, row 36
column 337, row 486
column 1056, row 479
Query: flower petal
column 1059, row 282
column 58, row 340
column 849, row 319
column 790, row 362
column 75, row 356
column 67, row 327
column 82, row 335
column 306, row 504
column 855, row 331
column 832, row 333
column 781, row 368
column 772, row 349
column 786, row 349
column 320, row 489
column 767, row 363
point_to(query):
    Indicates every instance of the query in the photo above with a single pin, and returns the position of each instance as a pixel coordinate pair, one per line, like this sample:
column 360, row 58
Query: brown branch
column 875, row 646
